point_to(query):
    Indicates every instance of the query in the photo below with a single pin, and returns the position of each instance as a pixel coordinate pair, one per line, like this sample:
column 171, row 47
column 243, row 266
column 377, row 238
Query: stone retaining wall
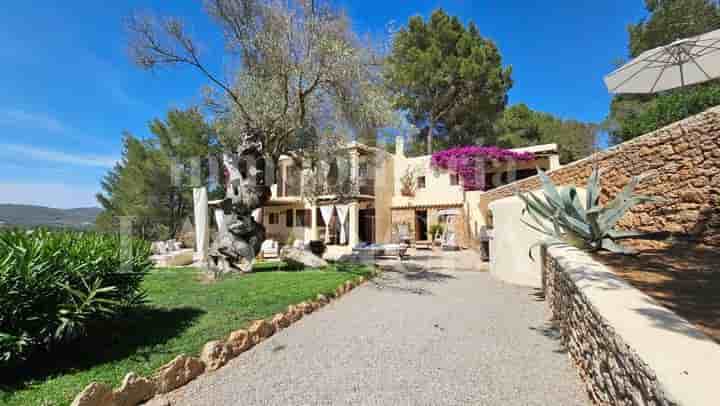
column 686, row 158
column 628, row 349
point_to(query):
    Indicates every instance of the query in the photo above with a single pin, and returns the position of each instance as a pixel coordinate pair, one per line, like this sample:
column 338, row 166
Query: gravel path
column 429, row 334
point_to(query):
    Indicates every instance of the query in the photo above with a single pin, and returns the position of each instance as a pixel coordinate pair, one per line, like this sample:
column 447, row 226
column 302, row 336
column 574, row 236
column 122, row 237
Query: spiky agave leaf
column 590, row 227
column 593, row 189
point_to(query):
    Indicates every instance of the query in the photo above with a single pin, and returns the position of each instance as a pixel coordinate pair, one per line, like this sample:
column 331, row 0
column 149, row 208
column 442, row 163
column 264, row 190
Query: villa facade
column 394, row 195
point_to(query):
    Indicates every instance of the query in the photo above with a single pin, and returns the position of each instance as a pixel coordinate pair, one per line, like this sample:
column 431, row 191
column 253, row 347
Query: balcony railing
column 365, row 186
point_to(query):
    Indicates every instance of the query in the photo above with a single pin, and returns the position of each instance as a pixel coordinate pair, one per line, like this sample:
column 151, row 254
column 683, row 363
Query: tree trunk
column 430, row 137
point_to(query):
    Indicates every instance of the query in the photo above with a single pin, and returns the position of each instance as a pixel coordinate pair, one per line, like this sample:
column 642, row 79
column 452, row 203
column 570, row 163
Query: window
column 421, row 182
column 302, row 218
column 274, row 218
column 363, row 169
column 453, row 179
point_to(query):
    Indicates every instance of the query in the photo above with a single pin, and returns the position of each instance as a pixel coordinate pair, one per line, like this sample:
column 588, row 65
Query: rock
column 133, row 391
column 340, row 291
column 305, row 307
column 260, row 330
column 293, row 313
column 216, row 354
column 323, row 299
column 280, row 321
column 299, row 258
column 239, row 342
column 349, row 286
column 177, row 373
column 95, row 394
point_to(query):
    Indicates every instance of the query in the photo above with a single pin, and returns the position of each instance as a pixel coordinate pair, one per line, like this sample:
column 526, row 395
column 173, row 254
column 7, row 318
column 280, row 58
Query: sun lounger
column 381, row 250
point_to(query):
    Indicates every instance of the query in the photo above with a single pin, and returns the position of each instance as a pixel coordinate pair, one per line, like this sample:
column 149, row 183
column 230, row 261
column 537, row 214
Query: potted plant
column 317, row 247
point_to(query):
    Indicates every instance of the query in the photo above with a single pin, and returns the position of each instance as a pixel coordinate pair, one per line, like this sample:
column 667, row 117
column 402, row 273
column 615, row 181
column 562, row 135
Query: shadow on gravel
column 552, row 332
column 401, row 278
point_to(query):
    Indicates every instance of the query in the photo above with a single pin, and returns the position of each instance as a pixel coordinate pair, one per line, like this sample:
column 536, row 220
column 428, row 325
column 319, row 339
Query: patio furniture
column 270, row 249
column 403, row 234
column 449, row 242
column 317, row 247
column 485, row 235
column 381, row 250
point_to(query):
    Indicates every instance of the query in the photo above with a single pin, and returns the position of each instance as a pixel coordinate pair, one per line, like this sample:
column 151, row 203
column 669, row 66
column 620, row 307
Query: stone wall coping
column 685, row 360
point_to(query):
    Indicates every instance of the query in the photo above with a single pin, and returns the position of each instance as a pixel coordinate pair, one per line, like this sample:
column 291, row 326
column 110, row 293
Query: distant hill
column 34, row 216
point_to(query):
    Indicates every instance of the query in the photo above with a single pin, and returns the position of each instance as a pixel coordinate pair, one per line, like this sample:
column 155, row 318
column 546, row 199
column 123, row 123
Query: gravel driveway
column 433, row 333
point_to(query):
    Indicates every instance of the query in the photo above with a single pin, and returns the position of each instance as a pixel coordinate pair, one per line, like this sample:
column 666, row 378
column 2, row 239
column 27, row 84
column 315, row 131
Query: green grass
column 183, row 314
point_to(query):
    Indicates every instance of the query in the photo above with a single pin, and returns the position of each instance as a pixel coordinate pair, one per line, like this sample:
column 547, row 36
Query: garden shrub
column 667, row 109
column 54, row 284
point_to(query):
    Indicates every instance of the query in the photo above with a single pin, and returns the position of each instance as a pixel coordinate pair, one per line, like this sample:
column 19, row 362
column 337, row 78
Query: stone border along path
column 428, row 332
column 183, row 369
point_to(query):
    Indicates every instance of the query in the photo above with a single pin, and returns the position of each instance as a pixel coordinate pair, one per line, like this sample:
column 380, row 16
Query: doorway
column 366, row 229
column 421, row 225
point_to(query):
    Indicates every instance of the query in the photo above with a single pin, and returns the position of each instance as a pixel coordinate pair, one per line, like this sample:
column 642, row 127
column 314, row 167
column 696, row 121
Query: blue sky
column 70, row 90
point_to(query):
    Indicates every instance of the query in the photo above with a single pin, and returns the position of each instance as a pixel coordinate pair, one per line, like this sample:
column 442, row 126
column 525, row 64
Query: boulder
column 300, row 258
column 239, row 342
column 216, row 354
column 280, row 321
column 177, row 373
column 133, row 391
column 95, row 394
column 260, row 330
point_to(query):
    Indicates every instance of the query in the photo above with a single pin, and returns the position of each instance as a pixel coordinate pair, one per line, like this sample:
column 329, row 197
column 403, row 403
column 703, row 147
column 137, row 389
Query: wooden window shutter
column 289, row 218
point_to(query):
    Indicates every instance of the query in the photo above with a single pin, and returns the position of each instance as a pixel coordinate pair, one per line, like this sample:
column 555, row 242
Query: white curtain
column 326, row 212
column 220, row 220
column 342, row 211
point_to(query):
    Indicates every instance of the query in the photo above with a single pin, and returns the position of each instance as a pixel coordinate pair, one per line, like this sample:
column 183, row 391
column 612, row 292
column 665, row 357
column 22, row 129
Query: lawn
column 183, row 314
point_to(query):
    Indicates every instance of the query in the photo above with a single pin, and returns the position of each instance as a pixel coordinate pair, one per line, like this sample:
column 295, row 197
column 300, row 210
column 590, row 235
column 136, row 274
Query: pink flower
column 469, row 162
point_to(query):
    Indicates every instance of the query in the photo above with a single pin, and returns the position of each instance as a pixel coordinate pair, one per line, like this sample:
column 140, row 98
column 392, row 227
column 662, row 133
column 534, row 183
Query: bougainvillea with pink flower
column 469, row 162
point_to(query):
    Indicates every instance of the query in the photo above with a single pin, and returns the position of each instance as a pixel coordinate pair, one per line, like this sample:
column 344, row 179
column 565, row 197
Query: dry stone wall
column 612, row 371
column 685, row 159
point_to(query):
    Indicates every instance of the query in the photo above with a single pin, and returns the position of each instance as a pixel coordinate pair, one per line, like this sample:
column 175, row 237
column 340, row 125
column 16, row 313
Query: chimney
column 400, row 145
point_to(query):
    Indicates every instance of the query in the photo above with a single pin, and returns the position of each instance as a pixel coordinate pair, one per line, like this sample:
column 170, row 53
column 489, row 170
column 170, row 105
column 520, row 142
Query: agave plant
column 590, row 226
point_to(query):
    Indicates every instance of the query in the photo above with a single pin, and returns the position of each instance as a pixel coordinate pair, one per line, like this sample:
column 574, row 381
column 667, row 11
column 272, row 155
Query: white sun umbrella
column 684, row 62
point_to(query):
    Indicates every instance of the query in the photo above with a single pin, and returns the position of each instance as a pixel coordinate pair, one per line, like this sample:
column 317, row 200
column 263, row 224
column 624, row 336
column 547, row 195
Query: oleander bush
column 54, row 284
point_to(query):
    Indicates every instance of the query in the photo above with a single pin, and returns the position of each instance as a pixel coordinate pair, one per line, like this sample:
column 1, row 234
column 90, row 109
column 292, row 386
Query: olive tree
column 299, row 67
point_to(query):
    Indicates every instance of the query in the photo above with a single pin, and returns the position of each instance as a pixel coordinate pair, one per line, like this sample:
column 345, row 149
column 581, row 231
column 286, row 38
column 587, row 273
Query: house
column 391, row 192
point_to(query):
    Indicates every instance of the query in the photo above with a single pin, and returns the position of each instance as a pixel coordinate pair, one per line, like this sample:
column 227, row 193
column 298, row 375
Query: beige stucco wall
column 510, row 246
column 437, row 191
column 384, row 187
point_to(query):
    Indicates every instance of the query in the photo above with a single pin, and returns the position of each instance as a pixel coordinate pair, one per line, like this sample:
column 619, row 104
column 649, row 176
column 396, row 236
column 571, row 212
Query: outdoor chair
column 270, row 249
